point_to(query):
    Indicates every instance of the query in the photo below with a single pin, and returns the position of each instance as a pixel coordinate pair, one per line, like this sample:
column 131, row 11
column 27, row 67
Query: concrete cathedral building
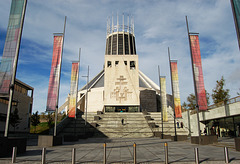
column 120, row 86
column 121, row 101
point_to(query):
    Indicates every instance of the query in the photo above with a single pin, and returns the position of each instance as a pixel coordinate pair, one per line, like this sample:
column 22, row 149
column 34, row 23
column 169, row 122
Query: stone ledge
column 7, row 144
column 49, row 141
column 237, row 143
column 204, row 140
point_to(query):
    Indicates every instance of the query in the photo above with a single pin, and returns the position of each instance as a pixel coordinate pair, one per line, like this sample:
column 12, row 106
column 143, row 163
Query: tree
column 63, row 116
column 35, row 120
column 50, row 120
column 14, row 118
column 191, row 101
column 220, row 94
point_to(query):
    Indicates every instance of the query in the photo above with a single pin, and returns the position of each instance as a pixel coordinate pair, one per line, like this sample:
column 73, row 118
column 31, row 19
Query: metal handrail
column 229, row 101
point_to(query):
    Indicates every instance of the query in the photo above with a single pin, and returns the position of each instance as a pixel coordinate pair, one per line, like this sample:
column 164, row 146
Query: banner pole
column 175, row 130
column 194, row 81
column 236, row 23
column 160, row 90
column 77, row 82
column 14, row 71
column 56, row 111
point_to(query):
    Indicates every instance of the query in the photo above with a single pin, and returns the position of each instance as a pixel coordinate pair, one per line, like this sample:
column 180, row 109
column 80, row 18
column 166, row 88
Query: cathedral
column 121, row 101
column 120, row 86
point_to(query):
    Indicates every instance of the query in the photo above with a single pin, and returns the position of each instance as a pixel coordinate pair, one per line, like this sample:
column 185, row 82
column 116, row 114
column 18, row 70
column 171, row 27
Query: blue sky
column 159, row 24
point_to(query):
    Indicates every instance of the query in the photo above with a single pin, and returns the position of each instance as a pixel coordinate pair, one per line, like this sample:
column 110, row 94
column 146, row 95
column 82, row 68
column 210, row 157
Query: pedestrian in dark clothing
column 178, row 125
column 122, row 121
column 205, row 131
column 181, row 124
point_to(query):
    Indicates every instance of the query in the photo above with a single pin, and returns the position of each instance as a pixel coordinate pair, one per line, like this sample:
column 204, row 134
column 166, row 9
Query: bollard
column 226, row 155
column 14, row 153
column 44, row 155
column 104, row 154
column 73, row 155
column 166, row 152
column 196, row 155
column 134, row 153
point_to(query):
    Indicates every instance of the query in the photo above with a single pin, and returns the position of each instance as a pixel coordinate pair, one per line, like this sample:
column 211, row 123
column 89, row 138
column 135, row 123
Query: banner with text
column 163, row 97
column 176, row 92
column 73, row 90
column 12, row 43
column 198, row 74
column 53, row 88
column 236, row 15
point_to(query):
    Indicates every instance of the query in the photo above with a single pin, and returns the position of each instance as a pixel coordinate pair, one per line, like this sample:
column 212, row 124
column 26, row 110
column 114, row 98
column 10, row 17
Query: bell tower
column 121, row 79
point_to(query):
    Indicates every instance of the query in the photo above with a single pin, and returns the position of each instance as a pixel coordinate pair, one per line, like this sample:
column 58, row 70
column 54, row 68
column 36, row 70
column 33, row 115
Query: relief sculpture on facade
column 121, row 92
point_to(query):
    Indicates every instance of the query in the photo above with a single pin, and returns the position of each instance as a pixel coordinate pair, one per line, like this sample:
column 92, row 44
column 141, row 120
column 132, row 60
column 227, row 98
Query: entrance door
column 121, row 109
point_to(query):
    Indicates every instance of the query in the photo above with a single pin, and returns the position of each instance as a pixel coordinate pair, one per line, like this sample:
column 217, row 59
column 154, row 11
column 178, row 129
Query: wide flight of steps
column 78, row 126
column 135, row 125
column 168, row 126
column 108, row 125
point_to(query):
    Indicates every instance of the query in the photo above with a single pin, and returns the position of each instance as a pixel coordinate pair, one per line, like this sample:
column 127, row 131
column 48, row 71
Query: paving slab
column 149, row 150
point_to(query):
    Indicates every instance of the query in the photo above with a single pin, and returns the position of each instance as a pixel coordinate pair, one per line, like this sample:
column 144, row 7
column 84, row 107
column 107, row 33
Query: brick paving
column 149, row 150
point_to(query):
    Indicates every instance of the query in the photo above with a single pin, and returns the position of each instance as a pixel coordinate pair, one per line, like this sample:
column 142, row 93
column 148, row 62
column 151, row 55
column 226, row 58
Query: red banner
column 73, row 90
column 53, row 88
column 176, row 92
column 12, row 43
column 198, row 74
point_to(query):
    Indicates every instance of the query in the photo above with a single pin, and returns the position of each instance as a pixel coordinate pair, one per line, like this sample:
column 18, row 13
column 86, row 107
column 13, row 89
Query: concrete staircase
column 135, row 125
column 168, row 126
column 78, row 128
column 109, row 125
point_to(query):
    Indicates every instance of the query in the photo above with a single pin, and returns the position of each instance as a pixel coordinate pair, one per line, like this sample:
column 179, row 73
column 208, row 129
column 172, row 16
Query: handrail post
column 226, row 155
column 166, row 152
column 196, row 155
column 73, row 155
column 104, row 153
column 44, row 155
column 134, row 153
column 14, row 153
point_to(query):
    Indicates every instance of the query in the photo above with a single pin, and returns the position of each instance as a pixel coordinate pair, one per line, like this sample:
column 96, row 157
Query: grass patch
column 41, row 128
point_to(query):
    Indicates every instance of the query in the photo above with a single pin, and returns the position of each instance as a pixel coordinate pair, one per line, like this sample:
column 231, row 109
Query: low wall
column 204, row 140
column 7, row 144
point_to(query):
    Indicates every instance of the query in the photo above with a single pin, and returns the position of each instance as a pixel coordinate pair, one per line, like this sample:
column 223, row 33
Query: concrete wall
column 121, row 83
column 95, row 99
column 148, row 100
column 219, row 112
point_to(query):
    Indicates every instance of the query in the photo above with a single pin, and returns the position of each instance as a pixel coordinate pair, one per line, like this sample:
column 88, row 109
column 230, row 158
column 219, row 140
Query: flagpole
column 56, row 111
column 160, row 90
column 174, row 113
column 194, row 81
column 11, row 88
column 236, row 23
column 77, row 81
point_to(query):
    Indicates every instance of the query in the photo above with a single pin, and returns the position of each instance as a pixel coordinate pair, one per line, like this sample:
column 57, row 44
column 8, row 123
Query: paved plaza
column 149, row 150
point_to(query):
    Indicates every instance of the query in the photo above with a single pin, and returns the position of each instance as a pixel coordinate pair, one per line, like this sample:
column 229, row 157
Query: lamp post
column 86, row 102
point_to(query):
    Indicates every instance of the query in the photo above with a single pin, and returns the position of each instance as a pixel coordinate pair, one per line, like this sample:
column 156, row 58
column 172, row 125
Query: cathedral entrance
column 121, row 109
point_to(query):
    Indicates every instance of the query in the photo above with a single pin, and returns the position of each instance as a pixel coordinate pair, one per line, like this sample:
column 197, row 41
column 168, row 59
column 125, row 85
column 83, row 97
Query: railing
column 230, row 101
column 178, row 121
column 134, row 156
